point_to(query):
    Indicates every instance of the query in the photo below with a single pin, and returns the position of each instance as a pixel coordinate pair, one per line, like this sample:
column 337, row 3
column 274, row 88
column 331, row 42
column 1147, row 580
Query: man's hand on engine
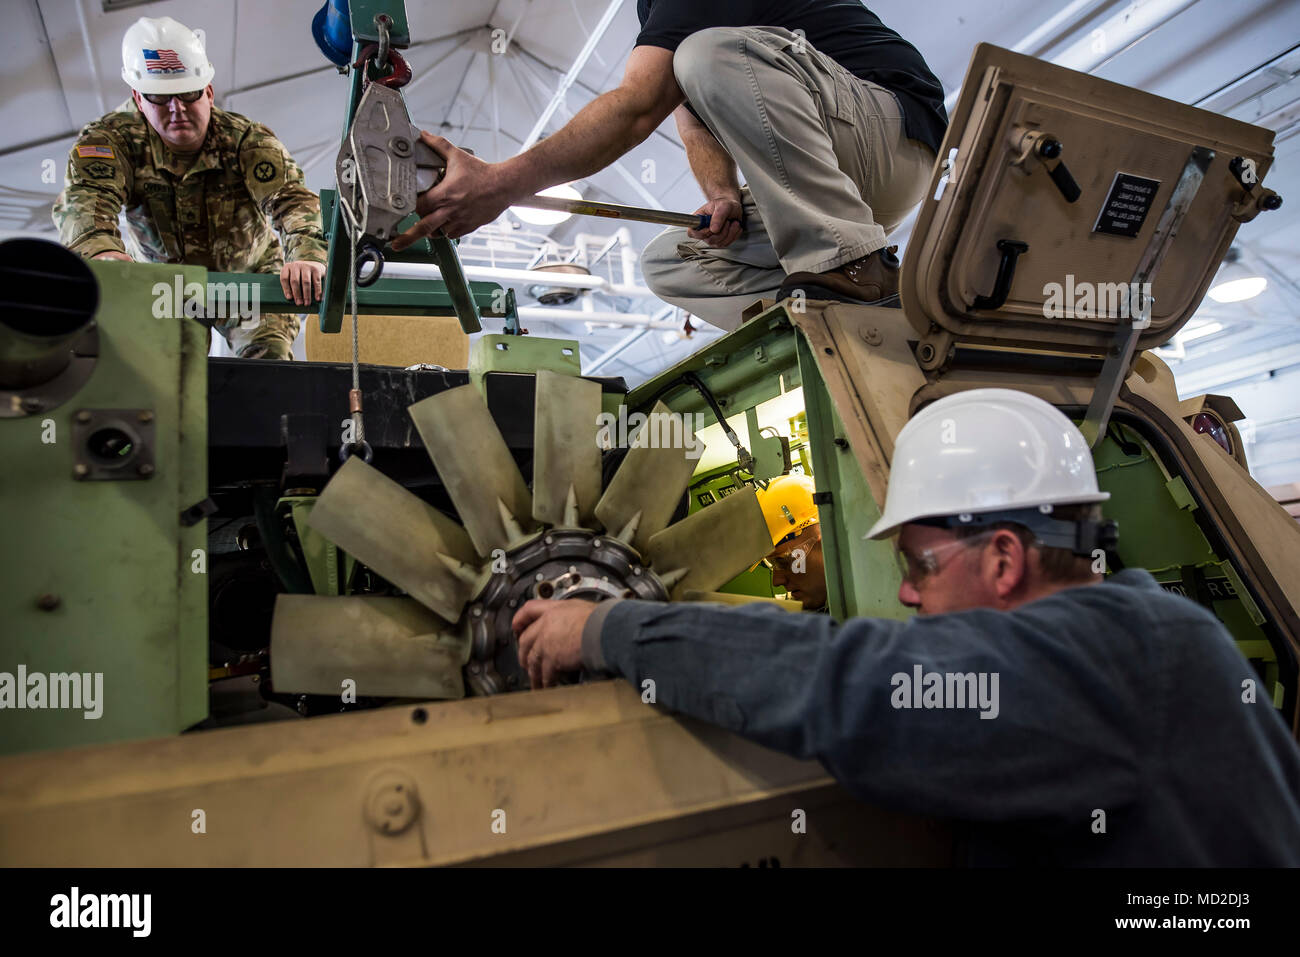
column 549, row 633
column 469, row 195
column 301, row 281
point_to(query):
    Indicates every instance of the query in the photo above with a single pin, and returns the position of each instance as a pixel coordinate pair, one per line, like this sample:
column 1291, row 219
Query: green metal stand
column 455, row 295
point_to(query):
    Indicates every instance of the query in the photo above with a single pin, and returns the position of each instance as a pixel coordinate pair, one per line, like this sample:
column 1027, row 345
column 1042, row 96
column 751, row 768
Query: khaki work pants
column 827, row 166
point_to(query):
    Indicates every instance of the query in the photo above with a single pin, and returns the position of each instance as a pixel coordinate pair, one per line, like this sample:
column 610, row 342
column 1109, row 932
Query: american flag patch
column 103, row 152
column 163, row 61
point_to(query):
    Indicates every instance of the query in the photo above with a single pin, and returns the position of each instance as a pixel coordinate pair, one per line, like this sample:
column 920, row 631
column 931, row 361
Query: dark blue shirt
column 1118, row 705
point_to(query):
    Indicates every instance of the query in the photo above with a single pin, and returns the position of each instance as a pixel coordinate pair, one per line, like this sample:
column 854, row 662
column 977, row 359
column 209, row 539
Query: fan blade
column 715, row 544
column 390, row 648
column 648, row 486
column 474, row 464
column 381, row 524
column 565, row 453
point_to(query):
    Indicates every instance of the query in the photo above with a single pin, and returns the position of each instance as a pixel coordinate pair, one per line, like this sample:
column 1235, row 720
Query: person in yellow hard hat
column 796, row 557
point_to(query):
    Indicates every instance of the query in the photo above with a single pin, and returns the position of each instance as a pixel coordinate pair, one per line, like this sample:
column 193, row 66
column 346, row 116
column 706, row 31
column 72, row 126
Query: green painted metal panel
column 387, row 297
column 191, row 636
column 319, row 553
column 338, row 265
column 744, row 368
column 761, row 360
column 862, row 577
column 129, row 579
column 611, row 401
column 1180, row 493
column 1243, row 596
column 1155, row 529
column 362, row 14
column 505, row 353
column 1158, row 531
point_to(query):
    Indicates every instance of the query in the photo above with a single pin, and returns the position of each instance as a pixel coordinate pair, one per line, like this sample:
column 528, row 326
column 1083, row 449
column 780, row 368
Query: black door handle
column 1011, row 250
column 1050, row 151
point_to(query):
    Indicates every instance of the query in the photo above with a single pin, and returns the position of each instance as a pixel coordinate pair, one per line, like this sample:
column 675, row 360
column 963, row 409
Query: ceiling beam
column 593, row 93
column 567, row 80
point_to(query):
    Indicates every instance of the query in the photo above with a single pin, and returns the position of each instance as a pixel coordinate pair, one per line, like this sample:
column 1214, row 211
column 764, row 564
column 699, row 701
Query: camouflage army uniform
column 221, row 211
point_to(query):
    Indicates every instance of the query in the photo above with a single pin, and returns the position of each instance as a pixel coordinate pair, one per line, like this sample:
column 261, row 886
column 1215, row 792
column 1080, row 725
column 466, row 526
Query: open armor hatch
column 1059, row 194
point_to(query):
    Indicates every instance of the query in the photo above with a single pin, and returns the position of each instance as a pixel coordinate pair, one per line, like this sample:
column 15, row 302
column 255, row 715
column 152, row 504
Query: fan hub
column 558, row 564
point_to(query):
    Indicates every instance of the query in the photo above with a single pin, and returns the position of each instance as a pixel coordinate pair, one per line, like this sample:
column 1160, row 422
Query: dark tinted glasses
column 161, row 99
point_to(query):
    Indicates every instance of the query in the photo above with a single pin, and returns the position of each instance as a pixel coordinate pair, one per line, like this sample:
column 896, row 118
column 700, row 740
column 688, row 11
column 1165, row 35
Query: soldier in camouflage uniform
column 198, row 185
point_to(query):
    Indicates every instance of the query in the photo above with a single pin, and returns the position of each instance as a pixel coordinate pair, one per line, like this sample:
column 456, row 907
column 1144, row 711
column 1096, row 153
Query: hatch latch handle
column 1257, row 198
column 1046, row 148
column 1011, row 250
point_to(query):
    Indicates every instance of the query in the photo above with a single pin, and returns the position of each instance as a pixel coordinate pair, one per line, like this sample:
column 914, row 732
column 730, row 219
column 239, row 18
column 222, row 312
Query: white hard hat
column 986, row 450
column 160, row 55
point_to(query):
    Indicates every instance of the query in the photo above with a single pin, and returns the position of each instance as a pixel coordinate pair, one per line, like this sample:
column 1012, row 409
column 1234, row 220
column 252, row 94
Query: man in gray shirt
column 1056, row 717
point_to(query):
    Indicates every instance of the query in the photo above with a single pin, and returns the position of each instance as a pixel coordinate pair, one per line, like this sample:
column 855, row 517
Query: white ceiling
column 61, row 60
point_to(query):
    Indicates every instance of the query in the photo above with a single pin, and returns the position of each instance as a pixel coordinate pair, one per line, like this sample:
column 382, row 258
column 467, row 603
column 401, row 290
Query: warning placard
column 1127, row 205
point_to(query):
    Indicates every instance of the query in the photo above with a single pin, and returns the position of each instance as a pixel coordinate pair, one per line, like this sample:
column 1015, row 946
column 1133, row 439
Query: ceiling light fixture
column 1235, row 283
column 1238, row 290
column 547, row 217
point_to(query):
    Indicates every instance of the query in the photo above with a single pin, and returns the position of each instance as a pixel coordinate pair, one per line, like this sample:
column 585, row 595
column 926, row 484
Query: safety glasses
column 162, row 99
column 784, row 562
column 920, row 566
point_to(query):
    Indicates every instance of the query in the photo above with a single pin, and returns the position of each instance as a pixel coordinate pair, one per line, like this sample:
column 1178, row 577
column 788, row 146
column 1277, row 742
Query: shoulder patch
column 264, row 171
column 100, row 163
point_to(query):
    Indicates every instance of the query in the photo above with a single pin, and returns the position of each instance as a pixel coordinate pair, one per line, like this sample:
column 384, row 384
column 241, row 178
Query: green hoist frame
column 452, row 296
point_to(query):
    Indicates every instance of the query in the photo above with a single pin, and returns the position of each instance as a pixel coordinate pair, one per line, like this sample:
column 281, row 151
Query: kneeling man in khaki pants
column 832, row 118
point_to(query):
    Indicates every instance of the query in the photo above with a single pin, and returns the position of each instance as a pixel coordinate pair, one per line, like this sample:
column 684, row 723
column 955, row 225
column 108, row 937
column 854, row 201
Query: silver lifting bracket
column 382, row 166
column 1119, row 359
column 387, row 162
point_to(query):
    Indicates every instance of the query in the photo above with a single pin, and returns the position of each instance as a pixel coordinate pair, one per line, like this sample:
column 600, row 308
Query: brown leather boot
column 871, row 280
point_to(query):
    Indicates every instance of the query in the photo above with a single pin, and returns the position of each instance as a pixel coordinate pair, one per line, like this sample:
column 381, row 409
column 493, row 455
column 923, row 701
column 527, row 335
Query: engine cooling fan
column 563, row 539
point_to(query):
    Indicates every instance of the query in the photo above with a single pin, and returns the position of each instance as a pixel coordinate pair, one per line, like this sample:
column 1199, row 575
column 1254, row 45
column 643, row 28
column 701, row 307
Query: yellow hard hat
column 787, row 504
